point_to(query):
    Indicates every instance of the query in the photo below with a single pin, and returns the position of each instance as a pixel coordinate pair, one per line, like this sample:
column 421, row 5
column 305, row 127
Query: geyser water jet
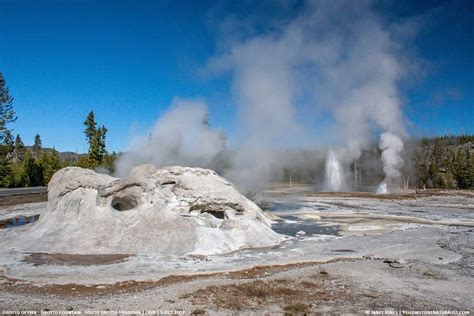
column 382, row 189
column 334, row 173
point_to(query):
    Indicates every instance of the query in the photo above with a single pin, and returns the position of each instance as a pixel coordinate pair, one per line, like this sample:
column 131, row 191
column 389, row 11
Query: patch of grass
column 308, row 285
column 255, row 289
column 371, row 295
column 260, row 289
column 297, row 308
column 291, row 295
column 241, row 296
column 433, row 275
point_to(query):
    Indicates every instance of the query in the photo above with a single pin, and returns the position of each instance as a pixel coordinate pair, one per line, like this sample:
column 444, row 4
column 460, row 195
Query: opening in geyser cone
column 124, row 203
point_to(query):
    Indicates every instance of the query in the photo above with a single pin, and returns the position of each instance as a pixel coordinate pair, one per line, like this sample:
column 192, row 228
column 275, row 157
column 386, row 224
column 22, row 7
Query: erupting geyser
column 382, row 189
column 334, row 174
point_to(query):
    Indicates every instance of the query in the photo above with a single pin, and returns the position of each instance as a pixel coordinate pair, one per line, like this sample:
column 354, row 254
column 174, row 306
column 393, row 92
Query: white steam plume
column 333, row 57
column 391, row 146
column 180, row 137
column 341, row 55
column 264, row 87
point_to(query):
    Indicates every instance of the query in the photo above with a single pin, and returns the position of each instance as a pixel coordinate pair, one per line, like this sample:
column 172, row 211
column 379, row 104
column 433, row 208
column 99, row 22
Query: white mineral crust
column 171, row 211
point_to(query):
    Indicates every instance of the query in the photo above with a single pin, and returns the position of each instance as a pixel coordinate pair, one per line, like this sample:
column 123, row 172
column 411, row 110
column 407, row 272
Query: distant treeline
column 445, row 162
column 24, row 166
column 448, row 140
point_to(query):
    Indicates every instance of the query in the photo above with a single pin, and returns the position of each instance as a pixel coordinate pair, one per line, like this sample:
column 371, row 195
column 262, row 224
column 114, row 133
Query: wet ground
column 18, row 221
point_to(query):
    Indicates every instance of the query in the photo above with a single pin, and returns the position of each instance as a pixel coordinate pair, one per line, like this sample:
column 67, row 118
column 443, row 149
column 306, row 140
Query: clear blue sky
column 126, row 60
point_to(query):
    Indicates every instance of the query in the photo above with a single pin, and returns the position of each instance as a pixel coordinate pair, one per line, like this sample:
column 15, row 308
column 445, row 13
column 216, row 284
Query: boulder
column 171, row 211
column 396, row 263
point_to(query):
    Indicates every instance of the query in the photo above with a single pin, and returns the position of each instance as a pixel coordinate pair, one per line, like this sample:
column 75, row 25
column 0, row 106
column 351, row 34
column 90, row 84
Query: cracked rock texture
column 171, row 211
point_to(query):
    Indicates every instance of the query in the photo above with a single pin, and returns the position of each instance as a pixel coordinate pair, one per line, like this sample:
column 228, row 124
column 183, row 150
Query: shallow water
column 308, row 226
column 289, row 225
column 18, row 221
column 295, row 206
column 284, row 206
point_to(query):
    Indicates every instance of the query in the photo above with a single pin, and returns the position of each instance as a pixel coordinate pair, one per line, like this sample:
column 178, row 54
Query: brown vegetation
column 19, row 286
column 293, row 296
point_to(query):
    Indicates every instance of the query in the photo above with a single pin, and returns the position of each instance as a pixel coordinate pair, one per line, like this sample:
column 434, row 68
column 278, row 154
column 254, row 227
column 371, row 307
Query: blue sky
column 127, row 60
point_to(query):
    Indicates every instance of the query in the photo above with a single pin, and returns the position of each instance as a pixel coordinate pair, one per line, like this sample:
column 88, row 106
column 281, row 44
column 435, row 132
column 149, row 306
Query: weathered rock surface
column 174, row 210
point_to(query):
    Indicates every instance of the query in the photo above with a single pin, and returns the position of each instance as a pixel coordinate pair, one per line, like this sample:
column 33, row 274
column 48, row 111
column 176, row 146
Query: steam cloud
column 391, row 147
column 180, row 137
column 336, row 58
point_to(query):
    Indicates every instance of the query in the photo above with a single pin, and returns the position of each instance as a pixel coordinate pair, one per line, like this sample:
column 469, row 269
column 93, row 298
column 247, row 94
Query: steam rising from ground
column 336, row 59
column 392, row 147
column 180, row 137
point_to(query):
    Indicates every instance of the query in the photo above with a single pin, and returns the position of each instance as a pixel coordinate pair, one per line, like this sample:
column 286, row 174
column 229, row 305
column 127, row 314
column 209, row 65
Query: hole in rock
column 216, row 214
column 168, row 182
column 124, row 203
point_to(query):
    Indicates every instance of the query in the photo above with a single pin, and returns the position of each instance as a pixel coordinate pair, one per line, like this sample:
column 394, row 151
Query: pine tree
column 96, row 139
column 91, row 127
column 6, row 173
column 94, row 158
column 7, row 146
column 465, row 172
column 31, row 172
column 101, row 135
column 19, row 147
column 459, row 169
column 50, row 163
column 435, row 175
column 7, row 114
column 469, row 171
column 37, row 145
column 438, row 151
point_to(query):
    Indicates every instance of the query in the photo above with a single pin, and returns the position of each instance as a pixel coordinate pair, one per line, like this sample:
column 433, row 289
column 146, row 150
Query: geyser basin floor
column 438, row 270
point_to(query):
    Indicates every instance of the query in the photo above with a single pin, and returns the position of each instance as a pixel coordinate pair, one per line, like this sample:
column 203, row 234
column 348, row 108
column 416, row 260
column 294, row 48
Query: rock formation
column 171, row 211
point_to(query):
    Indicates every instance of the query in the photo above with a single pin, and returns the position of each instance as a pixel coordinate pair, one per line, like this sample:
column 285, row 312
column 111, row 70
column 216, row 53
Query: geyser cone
column 169, row 211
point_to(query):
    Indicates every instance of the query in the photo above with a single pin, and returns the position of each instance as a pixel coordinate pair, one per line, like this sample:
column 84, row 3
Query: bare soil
column 23, row 198
column 73, row 259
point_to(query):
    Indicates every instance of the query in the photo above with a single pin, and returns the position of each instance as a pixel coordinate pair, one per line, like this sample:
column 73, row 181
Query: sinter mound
column 171, row 211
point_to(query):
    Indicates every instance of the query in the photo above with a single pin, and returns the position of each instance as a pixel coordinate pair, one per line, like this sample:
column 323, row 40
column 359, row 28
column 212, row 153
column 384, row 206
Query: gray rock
column 396, row 263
